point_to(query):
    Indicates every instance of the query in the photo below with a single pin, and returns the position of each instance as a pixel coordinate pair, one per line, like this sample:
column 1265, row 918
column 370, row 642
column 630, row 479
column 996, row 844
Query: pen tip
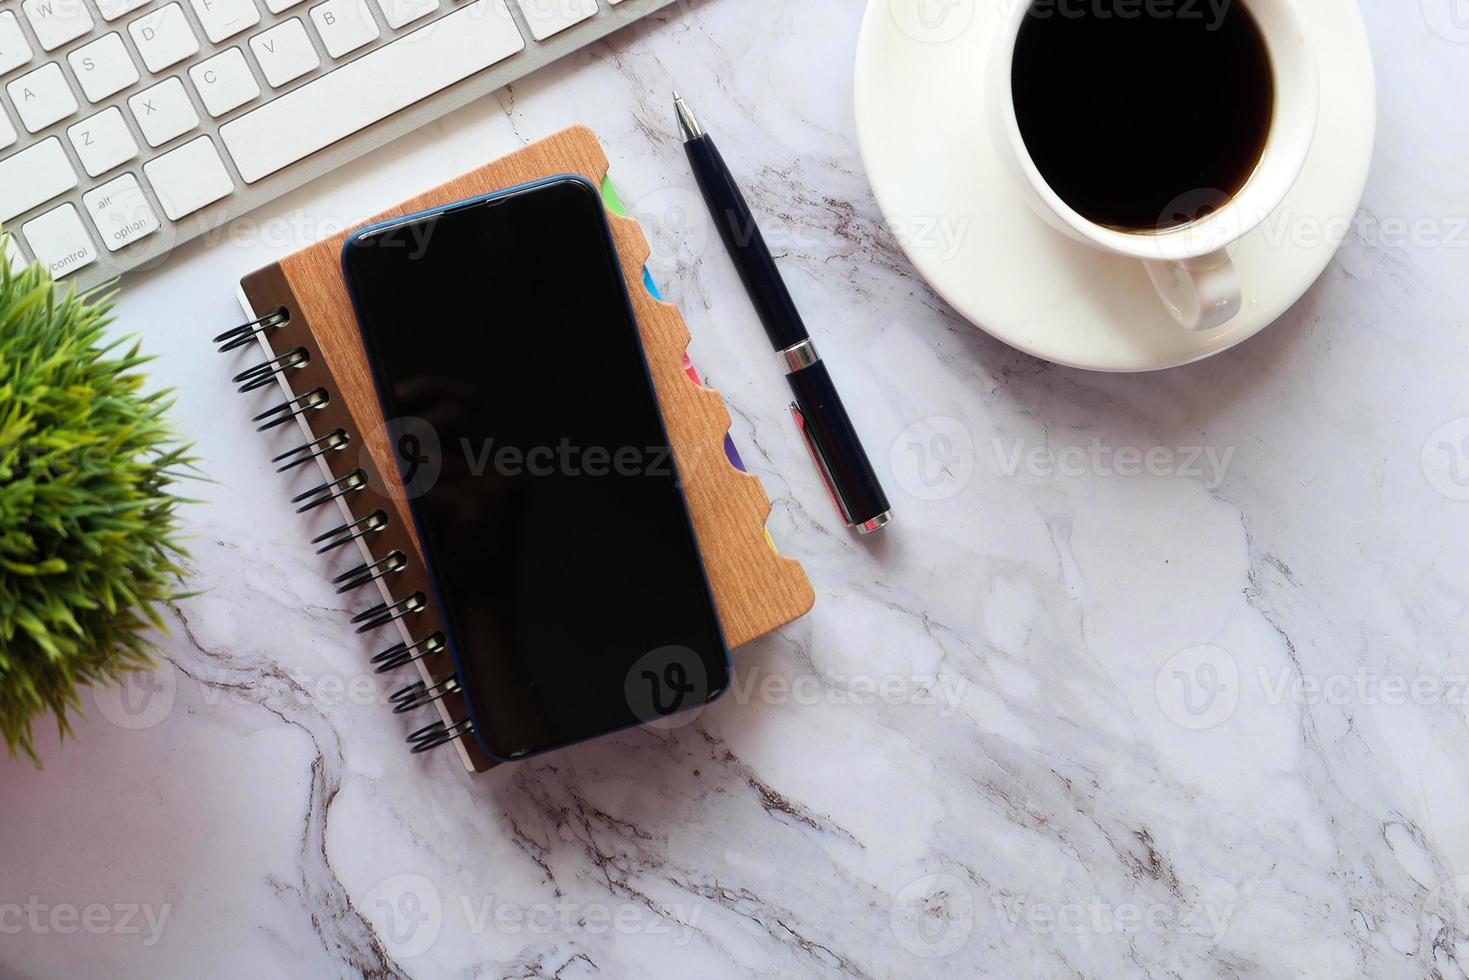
column 688, row 125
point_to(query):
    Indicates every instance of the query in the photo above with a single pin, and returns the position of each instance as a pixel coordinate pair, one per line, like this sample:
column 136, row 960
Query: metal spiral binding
column 298, row 406
column 336, row 439
column 356, row 578
column 432, row 736
column 330, row 490
column 413, row 696
column 384, row 613
column 346, row 533
column 264, row 373
column 243, row 334
column 420, row 695
column 400, row 654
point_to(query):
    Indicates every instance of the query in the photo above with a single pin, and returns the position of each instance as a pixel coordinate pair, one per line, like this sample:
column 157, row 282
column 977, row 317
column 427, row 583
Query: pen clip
column 818, row 456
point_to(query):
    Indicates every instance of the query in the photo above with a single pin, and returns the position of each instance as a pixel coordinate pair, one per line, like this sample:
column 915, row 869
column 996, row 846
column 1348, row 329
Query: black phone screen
column 538, row 468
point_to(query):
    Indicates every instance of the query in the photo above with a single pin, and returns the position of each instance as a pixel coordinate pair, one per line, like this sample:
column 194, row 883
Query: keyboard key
column 224, row 82
column 103, row 142
column 34, row 176
column 15, row 50
column 164, row 112
column 7, row 131
column 103, row 67
column 285, row 52
column 400, row 12
column 344, row 25
column 550, row 17
column 223, row 19
column 278, row 6
column 113, row 9
column 60, row 241
column 12, row 252
column 189, row 178
column 353, row 97
column 42, row 97
column 121, row 212
column 164, row 37
column 57, row 21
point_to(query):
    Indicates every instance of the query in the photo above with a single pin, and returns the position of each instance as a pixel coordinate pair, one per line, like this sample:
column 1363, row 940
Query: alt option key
column 121, row 212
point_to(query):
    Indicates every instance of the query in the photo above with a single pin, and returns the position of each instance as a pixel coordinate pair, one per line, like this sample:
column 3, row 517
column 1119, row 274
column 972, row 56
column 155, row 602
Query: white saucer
column 921, row 122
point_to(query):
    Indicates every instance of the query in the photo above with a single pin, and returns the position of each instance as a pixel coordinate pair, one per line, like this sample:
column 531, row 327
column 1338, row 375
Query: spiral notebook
column 315, row 384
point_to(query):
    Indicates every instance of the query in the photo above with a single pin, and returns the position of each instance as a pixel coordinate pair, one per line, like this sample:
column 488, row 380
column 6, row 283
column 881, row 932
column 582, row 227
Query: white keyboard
column 130, row 126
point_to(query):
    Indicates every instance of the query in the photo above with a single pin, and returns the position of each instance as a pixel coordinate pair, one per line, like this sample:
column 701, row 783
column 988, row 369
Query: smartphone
column 537, row 466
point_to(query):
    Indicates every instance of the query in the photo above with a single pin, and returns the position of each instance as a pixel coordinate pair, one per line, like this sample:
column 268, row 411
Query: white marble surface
column 1205, row 719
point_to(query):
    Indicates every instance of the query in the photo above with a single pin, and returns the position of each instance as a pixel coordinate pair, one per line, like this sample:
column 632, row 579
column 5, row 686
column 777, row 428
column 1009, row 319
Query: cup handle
column 1201, row 293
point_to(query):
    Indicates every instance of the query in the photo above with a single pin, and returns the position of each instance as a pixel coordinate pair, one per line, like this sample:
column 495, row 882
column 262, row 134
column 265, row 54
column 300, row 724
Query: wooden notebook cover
column 755, row 589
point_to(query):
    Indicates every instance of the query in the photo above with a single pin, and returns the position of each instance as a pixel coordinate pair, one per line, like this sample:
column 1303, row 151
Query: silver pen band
column 799, row 356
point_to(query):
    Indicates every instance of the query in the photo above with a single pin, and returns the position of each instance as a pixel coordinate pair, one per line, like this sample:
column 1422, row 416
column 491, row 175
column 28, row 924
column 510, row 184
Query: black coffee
column 1142, row 114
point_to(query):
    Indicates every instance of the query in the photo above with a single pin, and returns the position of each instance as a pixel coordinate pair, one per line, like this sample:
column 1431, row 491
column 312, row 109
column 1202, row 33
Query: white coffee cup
column 1188, row 264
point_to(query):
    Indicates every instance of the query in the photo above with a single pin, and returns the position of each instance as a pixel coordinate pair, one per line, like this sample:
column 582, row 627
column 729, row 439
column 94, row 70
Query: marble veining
column 1153, row 675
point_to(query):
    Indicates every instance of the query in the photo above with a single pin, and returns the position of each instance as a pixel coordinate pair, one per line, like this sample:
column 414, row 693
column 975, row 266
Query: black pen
column 818, row 410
